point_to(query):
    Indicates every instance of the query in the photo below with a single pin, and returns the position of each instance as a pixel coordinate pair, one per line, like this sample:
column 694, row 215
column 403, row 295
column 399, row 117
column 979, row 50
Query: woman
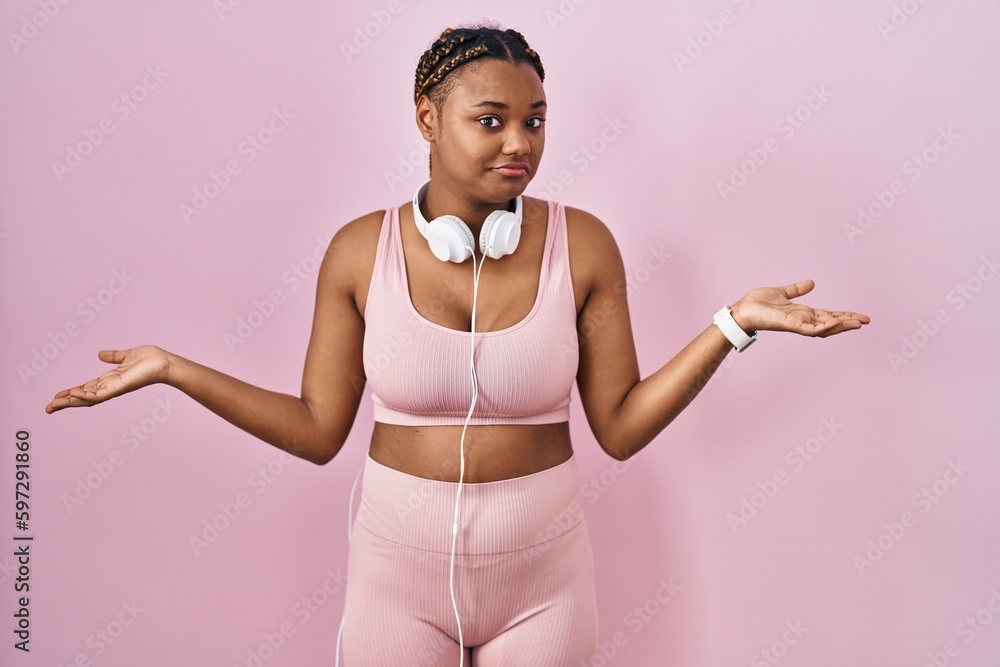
column 509, row 579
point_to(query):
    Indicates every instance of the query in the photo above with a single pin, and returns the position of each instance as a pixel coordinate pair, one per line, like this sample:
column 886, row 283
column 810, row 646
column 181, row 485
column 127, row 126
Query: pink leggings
column 524, row 572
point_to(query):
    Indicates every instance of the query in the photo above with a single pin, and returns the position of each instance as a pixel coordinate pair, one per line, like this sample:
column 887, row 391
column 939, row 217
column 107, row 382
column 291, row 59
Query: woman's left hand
column 769, row 309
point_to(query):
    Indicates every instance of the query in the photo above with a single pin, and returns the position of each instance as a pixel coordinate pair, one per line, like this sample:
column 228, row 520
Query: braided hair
column 456, row 47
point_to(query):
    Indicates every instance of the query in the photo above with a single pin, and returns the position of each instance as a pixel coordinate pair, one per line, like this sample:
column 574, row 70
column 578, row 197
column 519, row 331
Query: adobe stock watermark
column 899, row 16
column 562, row 12
column 562, row 522
column 797, row 457
column 302, row 611
column 594, row 320
column 32, row 24
column 712, row 30
column 103, row 469
column 430, row 655
column 585, row 155
column 121, row 108
column 596, row 486
column 914, row 167
column 223, row 8
column 779, row 647
column 710, row 373
column 924, row 500
column 383, row 358
column 958, row 297
column 88, row 310
column 570, row 517
column 408, row 164
column 638, row 618
column 248, row 149
column 968, row 629
column 106, row 636
column 295, row 276
column 786, row 126
column 389, row 351
column 230, row 511
column 365, row 34
column 414, row 501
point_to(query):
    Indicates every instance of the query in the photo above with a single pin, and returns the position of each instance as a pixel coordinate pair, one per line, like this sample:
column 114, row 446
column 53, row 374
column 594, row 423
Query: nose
column 516, row 142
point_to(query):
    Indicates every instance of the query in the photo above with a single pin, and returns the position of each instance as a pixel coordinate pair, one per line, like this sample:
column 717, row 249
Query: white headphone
column 452, row 241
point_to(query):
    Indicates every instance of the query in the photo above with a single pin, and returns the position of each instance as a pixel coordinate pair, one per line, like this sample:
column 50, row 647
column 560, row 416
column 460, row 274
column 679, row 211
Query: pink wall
column 889, row 106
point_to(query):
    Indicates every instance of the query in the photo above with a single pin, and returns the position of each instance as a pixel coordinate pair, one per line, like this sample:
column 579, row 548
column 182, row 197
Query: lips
column 513, row 169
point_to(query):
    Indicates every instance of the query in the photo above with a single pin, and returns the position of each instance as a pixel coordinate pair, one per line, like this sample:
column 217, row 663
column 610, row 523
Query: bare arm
column 314, row 426
column 626, row 412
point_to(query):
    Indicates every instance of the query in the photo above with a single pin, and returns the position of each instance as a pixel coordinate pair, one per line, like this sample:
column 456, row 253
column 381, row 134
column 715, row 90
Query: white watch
column 739, row 338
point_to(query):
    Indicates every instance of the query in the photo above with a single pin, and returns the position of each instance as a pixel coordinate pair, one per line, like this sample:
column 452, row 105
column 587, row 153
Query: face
column 494, row 115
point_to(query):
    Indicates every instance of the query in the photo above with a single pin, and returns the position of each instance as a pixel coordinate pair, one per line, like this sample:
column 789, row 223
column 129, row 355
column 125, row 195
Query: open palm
column 769, row 309
column 137, row 367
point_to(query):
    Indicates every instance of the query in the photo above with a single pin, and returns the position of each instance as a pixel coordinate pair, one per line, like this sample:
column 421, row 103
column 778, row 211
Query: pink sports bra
column 419, row 370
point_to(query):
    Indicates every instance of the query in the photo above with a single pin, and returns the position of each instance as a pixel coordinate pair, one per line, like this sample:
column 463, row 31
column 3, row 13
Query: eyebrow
column 503, row 106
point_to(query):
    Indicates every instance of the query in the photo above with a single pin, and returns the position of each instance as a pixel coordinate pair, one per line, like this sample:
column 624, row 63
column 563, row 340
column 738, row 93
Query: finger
column 86, row 395
column 828, row 325
column 75, row 397
column 849, row 315
column 797, row 289
column 854, row 317
column 66, row 402
column 840, row 328
column 54, row 404
column 112, row 356
column 814, row 328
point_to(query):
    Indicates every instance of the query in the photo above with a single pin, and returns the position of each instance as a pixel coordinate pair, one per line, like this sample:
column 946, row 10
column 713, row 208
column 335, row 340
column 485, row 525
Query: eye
column 541, row 122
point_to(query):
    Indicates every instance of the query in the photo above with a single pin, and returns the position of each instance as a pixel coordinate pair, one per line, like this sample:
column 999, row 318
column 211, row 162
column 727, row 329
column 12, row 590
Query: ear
column 427, row 118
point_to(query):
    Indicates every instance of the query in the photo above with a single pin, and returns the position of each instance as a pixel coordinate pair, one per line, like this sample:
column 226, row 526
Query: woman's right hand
column 138, row 367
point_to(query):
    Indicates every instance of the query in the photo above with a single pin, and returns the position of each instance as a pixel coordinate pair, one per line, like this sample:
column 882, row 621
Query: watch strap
column 740, row 339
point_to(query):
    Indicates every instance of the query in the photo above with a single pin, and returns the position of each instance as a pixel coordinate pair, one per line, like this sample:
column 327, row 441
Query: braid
column 531, row 53
column 434, row 71
column 456, row 47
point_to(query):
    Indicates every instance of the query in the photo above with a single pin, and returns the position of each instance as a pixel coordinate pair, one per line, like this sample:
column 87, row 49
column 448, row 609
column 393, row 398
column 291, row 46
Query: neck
column 438, row 202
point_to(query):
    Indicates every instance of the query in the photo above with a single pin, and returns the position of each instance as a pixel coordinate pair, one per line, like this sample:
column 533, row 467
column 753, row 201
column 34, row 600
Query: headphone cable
column 475, row 396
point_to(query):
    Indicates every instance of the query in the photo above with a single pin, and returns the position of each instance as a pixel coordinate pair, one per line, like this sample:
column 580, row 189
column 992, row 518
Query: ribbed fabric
column 419, row 370
column 524, row 572
column 494, row 517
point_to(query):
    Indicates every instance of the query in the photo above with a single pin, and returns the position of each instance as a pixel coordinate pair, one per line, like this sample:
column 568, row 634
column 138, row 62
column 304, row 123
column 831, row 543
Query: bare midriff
column 492, row 452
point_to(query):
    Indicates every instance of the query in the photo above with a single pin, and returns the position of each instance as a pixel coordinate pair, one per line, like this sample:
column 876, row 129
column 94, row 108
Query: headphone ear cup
column 500, row 235
column 450, row 239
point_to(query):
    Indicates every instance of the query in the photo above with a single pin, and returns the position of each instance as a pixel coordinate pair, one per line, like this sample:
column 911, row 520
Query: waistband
column 493, row 517
column 389, row 415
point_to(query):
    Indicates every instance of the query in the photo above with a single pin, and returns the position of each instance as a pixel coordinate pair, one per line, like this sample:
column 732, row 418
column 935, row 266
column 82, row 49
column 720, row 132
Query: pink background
column 682, row 129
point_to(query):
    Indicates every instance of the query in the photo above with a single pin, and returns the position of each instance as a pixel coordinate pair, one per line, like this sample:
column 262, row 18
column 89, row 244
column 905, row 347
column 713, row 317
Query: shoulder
column 357, row 238
column 359, row 230
column 588, row 229
column 351, row 252
column 593, row 250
